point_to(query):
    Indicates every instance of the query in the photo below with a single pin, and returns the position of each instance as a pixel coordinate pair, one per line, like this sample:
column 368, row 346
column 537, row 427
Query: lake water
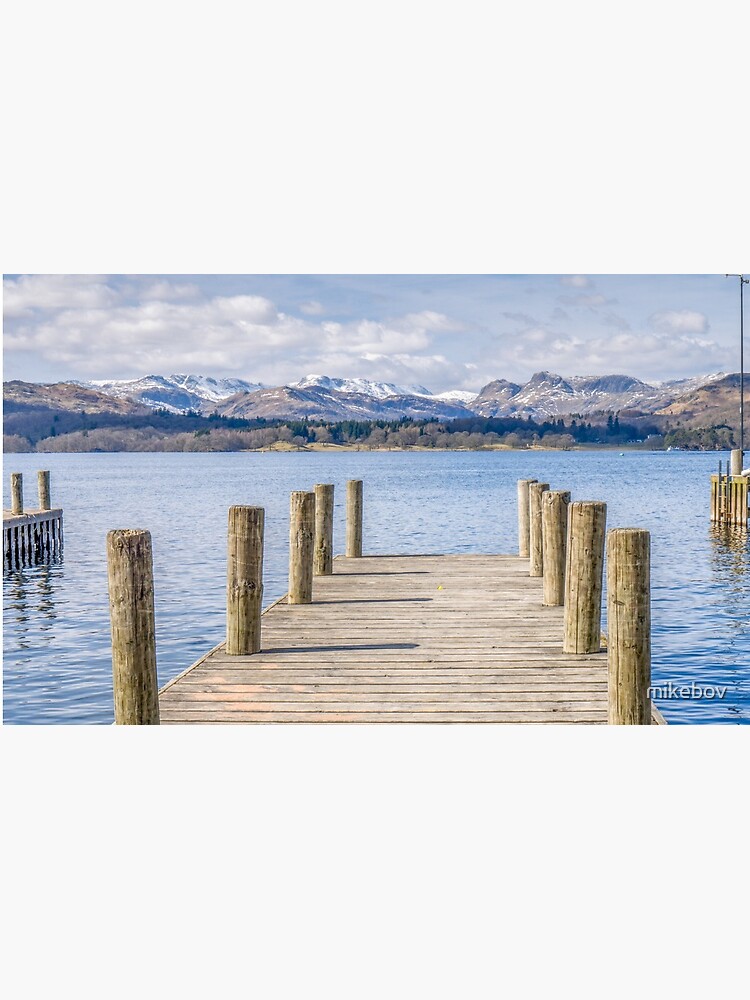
column 57, row 666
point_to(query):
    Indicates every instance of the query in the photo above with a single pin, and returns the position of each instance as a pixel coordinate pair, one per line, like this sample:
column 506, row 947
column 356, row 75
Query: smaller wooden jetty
column 35, row 535
column 730, row 493
column 403, row 638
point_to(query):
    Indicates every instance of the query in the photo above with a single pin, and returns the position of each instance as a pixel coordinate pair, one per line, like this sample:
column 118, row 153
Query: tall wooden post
column 43, row 485
column 323, row 559
column 554, row 543
column 584, row 566
column 523, row 517
column 536, row 553
column 244, row 579
column 301, row 545
column 354, row 518
column 16, row 493
column 736, row 462
column 629, row 626
column 131, row 611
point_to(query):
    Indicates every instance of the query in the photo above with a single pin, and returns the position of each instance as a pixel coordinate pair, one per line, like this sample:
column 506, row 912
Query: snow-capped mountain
column 545, row 395
column 316, row 402
column 548, row 395
column 175, row 393
column 455, row 396
column 359, row 386
column 690, row 384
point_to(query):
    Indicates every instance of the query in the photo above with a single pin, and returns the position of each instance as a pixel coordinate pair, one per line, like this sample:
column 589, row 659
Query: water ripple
column 57, row 666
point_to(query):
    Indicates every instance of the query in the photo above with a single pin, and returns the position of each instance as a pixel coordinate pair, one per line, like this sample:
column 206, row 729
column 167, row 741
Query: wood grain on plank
column 420, row 639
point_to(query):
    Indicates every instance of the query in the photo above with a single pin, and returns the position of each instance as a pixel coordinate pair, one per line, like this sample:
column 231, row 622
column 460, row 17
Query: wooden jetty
column 443, row 638
column 730, row 494
column 35, row 535
column 402, row 638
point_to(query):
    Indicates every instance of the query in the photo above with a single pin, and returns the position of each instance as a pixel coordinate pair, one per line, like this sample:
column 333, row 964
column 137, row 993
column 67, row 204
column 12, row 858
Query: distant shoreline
column 285, row 447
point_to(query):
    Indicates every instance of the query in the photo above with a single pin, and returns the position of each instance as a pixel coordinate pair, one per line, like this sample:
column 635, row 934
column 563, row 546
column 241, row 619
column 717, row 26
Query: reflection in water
column 730, row 556
column 29, row 599
column 730, row 568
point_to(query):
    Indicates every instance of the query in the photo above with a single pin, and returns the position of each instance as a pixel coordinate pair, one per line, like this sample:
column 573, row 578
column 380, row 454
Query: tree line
column 41, row 430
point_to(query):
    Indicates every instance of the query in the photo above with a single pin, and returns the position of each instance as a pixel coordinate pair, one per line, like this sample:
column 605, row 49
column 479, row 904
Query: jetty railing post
column 736, row 462
column 584, row 567
column 131, row 611
column 16, row 493
column 323, row 558
column 554, row 544
column 629, row 626
column 43, row 484
column 536, row 553
column 354, row 518
column 523, row 517
column 301, row 546
column 244, row 579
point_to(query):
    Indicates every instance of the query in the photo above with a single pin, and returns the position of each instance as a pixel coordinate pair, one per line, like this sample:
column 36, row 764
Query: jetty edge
column 34, row 536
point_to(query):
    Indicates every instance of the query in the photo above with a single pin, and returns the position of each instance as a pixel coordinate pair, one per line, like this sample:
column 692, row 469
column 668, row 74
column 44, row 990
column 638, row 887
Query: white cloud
column 43, row 292
column 312, row 308
column 242, row 335
column 521, row 317
column 680, row 321
column 650, row 355
column 165, row 291
column 615, row 320
column 592, row 301
column 435, row 371
column 576, row 280
column 92, row 327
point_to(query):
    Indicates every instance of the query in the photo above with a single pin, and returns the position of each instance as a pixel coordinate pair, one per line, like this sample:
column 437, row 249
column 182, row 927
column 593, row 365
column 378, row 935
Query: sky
column 441, row 331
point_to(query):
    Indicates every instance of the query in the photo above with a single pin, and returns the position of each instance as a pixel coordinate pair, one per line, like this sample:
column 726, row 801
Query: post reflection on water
column 730, row 569
column 30, row 598
column 730, row 557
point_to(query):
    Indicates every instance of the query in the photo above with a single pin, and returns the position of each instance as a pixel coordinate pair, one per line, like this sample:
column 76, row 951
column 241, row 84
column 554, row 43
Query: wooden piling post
column 323, row 556
column 536, row 553
column 629, row 626
column 584, row 565
column 131, row 610
column 16, row 493
column 301, row 546
column 354, row 518
column 43, row 484
column 244, row 579
column 523, row 517
column 554, row 543
column 736, row 462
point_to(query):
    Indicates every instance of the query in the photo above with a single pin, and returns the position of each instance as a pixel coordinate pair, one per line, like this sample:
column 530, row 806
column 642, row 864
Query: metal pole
column 742, row 372
column 743, row 281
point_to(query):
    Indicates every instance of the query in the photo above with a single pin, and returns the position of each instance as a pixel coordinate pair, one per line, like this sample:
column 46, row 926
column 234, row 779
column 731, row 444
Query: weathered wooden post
column 43, row 485
column 354, row 518
column 629, row 626
column 554, row 543
column 323, row 559
column 736, row 462
column 244, row 579
column 301, row 545
column 131, row 611
column 536, row 554
column 16, row 493
column 523, row 517
column 584, row 566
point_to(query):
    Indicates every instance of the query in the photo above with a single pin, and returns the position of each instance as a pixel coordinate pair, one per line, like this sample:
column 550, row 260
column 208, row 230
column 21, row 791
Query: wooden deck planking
column 460, row 638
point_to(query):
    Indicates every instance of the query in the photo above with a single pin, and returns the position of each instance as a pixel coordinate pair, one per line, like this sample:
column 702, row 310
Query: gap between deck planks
column 458, row 638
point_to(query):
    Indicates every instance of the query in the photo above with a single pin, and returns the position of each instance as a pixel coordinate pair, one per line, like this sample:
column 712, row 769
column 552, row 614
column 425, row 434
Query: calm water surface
column 57, row 666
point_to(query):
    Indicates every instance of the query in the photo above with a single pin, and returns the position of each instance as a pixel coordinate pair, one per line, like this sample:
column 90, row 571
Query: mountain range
column 318, row 397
